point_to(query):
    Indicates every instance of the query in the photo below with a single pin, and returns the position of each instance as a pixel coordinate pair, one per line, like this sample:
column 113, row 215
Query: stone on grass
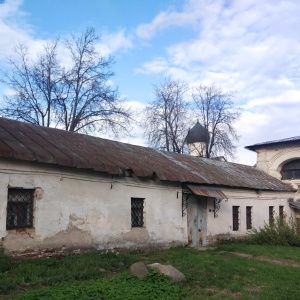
column 170, row 271
column 139, row 270
column 120, row 264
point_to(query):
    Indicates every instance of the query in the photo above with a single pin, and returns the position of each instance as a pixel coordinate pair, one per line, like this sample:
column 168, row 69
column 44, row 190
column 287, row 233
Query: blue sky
column 248, row 46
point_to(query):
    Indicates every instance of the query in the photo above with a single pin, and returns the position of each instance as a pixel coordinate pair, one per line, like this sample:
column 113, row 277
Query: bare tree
column 216, row 112
column 89, row 99
column 75, row 96
column 34, row 86
column 166, row 116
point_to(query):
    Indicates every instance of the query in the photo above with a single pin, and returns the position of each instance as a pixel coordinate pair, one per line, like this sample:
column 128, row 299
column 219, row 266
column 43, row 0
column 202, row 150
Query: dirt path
column 282, row 262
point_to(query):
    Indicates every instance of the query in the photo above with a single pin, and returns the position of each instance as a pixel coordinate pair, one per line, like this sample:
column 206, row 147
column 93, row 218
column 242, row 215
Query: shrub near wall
column 281, row 232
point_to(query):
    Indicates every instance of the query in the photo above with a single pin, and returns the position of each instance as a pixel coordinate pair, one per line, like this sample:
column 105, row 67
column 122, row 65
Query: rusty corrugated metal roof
column 27, row 142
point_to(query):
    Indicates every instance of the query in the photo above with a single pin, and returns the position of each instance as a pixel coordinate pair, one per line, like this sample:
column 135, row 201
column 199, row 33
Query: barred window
column 137, row 212
column 235, row 218
column 281, row 212
column 249, row 217
column 271, row 215
column 19, row 208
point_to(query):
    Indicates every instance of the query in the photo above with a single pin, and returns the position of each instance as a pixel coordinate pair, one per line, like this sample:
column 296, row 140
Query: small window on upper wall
column 137, row 212
column 235, row 218
column 19, row 208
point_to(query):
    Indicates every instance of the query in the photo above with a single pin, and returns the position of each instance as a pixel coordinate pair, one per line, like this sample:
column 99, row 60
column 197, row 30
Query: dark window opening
column 19, row 208
column 249, row 217
column 235, row 218
column 271, row 215
column 137, row 212
column 281, row 212
column 291, row 170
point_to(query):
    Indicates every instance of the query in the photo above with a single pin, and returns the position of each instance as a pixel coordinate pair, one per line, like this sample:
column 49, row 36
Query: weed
column 5, row 261
column 281, row 232
column 50, row 271
column 123, row 286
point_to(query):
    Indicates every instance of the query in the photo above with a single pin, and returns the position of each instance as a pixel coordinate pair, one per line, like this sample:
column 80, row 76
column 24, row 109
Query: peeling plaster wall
column 221, row 227
column 76, row 209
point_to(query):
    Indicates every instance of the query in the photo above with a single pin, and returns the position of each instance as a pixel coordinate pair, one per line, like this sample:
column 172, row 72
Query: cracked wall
column 76, row 209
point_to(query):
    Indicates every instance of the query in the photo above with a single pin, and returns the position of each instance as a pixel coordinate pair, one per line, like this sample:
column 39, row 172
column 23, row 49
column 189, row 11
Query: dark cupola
column 197, row 134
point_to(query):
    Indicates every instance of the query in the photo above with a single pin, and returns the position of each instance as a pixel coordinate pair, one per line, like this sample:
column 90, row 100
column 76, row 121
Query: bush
column 281, row 232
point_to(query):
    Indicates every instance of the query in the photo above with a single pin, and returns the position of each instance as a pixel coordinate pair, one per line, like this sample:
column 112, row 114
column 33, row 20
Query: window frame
column 291, row 170
column 19, row 214
column 271, row 215
column 235, row 218
column 281, row 212
column 249, row 217
column 137, row 212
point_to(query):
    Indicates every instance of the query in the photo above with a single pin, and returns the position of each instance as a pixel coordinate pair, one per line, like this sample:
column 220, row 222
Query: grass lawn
column 211, row 274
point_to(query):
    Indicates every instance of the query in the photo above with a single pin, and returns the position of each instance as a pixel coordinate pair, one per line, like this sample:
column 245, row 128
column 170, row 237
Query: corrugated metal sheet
column 202, row 191
column 27, row 142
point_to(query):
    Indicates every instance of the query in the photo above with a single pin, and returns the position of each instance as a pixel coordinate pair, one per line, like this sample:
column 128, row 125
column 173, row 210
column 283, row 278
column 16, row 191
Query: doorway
column 197, row 220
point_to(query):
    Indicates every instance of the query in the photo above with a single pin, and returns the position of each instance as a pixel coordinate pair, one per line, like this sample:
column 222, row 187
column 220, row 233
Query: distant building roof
column 197, row 134
column 289, row 141
column 36, row 144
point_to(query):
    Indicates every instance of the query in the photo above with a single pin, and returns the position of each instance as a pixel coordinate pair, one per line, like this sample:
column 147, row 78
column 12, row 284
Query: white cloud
column 161, row 21
column 157, row 65
column 113, row 42
column 15, row 29
column 11, row 29
column 249, row 46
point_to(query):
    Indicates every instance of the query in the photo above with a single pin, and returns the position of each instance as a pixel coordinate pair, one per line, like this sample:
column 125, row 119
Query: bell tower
column 197, row 140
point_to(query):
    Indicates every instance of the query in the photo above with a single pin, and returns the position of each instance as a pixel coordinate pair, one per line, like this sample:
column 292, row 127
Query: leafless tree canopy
column 169, row 116
column 166, row 122
column 75, row 96
column 216, row 112
column 34, row 86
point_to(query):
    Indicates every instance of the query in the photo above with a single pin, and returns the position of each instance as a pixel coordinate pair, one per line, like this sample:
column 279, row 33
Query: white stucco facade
column 77, row 209
column 221, row 227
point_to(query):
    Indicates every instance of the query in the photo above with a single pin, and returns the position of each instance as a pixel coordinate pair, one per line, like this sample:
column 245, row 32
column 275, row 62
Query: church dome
column 197, row 134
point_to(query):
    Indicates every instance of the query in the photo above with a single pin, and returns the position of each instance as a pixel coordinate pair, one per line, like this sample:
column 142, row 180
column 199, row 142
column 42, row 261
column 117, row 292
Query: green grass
column 212, row 274
column 47, row 272
column 290, row 253
column 123, row 286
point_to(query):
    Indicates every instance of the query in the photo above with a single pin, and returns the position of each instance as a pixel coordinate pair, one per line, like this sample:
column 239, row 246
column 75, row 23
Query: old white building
column 62, row 189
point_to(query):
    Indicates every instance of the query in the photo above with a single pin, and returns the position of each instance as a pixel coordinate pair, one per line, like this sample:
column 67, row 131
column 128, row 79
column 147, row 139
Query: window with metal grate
column 235, row 218
column 271, row 215
column 137, row 212
column 249, row 217
column 281, row 212
column 19, row 208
